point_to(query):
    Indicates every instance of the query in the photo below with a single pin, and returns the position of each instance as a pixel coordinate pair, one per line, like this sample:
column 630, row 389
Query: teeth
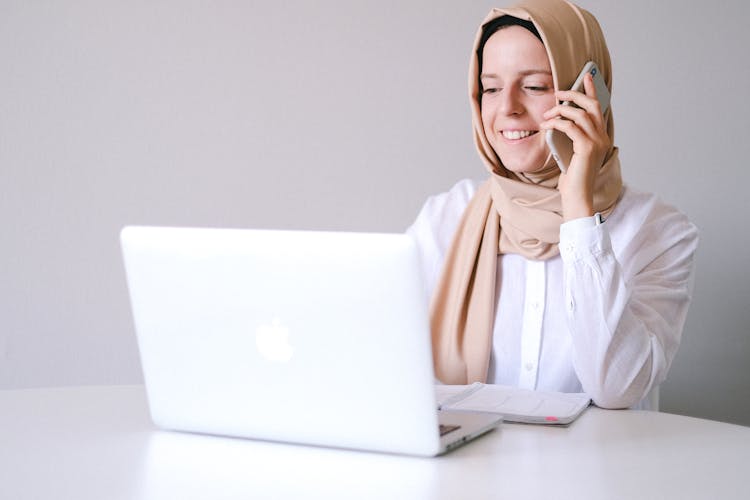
column 516, row 134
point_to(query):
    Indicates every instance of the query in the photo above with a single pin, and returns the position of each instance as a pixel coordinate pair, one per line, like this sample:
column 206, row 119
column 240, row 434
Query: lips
column 515, row 135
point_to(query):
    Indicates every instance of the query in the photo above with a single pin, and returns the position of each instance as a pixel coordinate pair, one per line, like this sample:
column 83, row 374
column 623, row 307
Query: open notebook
column 514, row 404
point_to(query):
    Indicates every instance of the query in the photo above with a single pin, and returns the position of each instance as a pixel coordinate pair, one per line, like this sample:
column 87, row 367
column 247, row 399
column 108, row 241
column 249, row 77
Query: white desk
column 98, row 443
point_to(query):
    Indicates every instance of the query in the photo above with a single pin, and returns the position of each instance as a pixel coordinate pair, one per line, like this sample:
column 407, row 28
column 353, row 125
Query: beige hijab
column 512, row 213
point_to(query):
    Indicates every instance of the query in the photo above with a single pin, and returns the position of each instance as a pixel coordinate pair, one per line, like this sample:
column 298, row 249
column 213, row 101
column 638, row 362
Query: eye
column 490, row 90
column 539, row 89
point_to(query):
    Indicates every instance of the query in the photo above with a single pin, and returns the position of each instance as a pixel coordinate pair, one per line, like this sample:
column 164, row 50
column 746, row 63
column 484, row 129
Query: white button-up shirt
column 604, row 317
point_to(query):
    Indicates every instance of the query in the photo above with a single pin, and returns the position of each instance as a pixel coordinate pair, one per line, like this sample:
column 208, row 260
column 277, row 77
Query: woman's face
column 517, row 90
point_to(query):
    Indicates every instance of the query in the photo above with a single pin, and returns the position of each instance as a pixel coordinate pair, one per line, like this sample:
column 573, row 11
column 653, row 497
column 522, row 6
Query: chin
column 524, row 165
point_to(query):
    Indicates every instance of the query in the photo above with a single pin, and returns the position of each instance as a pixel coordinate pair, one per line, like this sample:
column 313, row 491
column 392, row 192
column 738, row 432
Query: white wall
column 323, row 115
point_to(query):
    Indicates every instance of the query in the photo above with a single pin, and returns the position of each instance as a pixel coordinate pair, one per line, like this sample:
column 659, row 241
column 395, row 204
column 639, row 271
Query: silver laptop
column 306, row 337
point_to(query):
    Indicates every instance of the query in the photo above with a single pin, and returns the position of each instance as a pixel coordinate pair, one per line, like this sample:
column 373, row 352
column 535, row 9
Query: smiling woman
column 516, row 76
column 530, row 286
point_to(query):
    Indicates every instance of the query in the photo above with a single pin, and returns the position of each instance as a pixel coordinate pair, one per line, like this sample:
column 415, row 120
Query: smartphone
column 559, row 143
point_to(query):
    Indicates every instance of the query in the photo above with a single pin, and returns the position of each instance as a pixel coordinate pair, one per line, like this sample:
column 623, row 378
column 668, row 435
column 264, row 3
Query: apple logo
column 272, row 341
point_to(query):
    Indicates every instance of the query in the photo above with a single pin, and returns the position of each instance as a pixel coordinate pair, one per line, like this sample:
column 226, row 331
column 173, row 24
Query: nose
column 510, row 102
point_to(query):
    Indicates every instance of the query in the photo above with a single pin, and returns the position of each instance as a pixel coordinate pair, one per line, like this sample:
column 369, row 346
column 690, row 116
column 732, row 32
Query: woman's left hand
column 587, row 129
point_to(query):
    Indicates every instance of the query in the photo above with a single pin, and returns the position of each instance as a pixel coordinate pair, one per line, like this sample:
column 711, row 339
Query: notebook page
column 449, row 394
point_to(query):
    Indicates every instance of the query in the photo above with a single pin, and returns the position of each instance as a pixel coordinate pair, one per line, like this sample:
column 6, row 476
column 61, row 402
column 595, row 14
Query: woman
column 568, row 282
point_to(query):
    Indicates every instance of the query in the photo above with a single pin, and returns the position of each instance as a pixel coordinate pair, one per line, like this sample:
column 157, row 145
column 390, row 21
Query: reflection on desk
column 98, row 442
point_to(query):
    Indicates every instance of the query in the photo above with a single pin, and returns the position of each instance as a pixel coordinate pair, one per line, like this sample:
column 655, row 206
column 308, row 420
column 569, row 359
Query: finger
column 569, row 128
column 595, row 108
column 578, row 98
column 565, row 111
column 577, row 115
column 586, row 136
column 587, row 101
column 589, row 87
column 583, row 116
column 590, row 106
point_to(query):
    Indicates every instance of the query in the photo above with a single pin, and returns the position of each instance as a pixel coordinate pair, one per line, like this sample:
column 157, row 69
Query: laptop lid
column 307, row 337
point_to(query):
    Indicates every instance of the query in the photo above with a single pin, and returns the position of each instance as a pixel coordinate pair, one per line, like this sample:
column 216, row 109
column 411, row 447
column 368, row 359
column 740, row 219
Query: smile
column 517, row 134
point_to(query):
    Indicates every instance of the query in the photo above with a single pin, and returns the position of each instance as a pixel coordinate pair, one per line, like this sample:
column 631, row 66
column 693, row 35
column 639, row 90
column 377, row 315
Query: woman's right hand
column 585, row 125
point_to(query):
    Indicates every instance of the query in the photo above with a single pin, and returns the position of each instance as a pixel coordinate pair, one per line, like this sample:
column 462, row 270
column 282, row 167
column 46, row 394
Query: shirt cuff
column 584, row 237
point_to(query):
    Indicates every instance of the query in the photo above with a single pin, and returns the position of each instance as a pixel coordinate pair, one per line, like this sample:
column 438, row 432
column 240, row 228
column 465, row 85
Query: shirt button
column 529, row 366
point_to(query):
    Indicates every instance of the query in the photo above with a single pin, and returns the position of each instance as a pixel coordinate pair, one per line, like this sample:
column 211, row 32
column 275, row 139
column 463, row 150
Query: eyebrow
column 526, row 72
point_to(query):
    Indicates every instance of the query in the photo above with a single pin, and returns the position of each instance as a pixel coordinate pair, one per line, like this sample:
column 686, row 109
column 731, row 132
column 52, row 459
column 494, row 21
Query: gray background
column 324, row 115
